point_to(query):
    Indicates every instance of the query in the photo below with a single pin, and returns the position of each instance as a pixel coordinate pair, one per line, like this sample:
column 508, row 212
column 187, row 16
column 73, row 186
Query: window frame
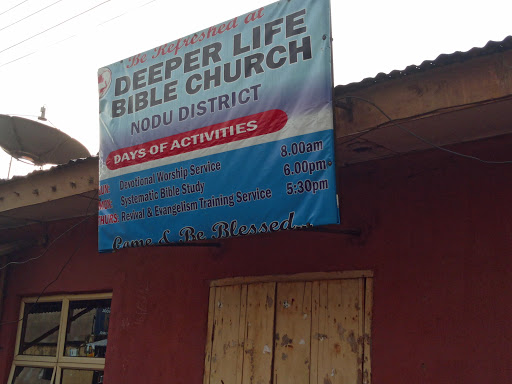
column 59, row 361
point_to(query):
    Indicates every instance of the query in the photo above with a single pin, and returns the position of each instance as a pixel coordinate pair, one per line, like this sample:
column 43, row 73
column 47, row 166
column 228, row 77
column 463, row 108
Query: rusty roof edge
column 492, row 47
column 47, row 171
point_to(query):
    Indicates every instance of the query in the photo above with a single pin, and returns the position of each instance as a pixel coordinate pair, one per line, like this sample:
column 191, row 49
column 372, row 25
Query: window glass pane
column 40, row 329
column 31, row 375
column 87, row 329
column 81, row 376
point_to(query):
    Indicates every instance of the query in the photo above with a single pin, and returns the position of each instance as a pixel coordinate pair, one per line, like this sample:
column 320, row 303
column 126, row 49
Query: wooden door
column 290, row 332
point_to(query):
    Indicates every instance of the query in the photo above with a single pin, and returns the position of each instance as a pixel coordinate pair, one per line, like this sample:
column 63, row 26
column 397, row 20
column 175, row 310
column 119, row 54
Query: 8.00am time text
column 301, row 147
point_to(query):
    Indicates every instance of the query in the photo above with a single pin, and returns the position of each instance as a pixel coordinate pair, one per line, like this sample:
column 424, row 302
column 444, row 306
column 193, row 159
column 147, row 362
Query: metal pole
column 9, row 172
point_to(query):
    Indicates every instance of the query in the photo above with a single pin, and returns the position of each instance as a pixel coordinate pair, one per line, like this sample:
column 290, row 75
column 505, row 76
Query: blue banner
column 226, row 132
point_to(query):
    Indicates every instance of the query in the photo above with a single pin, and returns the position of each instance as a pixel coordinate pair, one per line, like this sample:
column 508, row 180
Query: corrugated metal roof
column 70, row 163
column 442, row 60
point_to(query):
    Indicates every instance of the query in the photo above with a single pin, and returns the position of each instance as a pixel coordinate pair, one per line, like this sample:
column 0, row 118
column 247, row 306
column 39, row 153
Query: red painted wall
column 437, row 232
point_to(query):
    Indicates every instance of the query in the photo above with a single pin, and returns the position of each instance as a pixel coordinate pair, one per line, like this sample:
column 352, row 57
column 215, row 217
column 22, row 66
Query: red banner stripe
column 207, row 137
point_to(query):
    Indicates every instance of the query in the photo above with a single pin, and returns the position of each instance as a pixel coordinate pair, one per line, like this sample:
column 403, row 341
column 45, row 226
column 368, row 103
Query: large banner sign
column 226, row 132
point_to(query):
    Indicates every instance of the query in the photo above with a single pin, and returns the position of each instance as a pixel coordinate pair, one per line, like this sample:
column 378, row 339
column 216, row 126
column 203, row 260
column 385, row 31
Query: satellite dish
column 38, row 143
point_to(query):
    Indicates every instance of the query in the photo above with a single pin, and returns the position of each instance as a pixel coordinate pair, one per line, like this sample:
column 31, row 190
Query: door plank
column 293, row 333
column 241, row 334
column 368, row 307
column 340, row 332
column 209, row 337
column 315, row 324
column 259, row 334
column 226, row 343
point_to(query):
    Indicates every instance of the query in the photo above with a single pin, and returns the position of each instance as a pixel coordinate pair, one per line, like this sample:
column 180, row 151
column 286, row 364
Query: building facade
column 412, row 286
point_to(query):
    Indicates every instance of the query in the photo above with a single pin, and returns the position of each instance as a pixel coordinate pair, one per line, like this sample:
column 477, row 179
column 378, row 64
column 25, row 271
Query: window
column 307, row 328
column 62, row 340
